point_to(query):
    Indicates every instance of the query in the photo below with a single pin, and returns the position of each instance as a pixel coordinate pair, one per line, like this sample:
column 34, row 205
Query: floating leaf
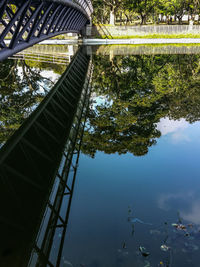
column 164, row 248
column 144, row 251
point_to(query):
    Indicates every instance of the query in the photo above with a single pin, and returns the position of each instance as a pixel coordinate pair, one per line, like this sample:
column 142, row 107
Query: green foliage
column 133, row 93
column 147, row 10
column 155, row 36
column 20, row 93
column 143, row 7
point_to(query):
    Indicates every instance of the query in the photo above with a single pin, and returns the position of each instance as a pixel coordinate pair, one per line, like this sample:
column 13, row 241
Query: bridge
column 27, row 22
column 38, row 166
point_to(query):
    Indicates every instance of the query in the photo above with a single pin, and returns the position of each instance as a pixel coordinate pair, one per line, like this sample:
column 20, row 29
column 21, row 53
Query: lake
column 136, row 198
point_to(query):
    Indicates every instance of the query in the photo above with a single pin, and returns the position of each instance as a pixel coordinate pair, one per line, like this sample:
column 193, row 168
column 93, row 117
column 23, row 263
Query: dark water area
column 136, row 199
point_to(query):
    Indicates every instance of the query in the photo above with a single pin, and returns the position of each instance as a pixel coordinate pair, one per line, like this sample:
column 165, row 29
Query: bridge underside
column 26, row 23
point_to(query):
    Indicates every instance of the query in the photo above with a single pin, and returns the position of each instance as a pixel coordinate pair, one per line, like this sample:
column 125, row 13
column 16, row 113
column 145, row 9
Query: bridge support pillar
column 88, row 30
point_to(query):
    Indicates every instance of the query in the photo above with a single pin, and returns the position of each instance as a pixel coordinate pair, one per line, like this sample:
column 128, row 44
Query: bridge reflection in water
column 47, row 54
column 38, row 167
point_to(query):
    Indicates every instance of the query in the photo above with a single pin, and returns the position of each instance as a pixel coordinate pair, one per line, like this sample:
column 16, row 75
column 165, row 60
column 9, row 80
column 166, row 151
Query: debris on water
column 187, row 234
column 164, row 248
column 144, row 252
column 147, row 264
column 124, row 245
column 179, row 218
column 67, row 263
column 136, row 220
column 133, row 229
column 129, row 210
column 179, row 226
column 161, row 264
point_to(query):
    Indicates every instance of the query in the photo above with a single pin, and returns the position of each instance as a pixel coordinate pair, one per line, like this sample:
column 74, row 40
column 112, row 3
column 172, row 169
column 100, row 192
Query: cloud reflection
column 194, row 214
column 166, row 201
column 174, row 128
column 185, row 202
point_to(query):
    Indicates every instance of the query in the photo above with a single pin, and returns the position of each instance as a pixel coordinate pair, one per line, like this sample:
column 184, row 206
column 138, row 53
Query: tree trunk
column 144, row 19
column 127, row 19
column 121, row 19
column 112, row 17
column 179, row 20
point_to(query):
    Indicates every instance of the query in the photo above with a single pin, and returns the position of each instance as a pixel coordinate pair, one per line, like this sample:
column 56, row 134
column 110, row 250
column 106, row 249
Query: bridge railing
column 86, row 5
column 24, row 23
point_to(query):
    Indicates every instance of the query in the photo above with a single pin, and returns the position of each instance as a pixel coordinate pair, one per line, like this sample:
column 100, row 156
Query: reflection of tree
column 182, row 78
column 20, row 92
column 137, row 91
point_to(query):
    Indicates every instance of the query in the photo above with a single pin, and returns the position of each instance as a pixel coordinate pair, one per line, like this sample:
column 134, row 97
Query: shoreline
column 134, row 41
column 138, row 41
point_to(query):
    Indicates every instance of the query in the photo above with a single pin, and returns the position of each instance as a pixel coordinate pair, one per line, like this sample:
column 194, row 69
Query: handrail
column 86, row 5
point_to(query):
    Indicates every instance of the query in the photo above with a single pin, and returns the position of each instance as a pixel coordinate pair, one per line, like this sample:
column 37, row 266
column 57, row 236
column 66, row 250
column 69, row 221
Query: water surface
column 137, row 190
column 136, row 200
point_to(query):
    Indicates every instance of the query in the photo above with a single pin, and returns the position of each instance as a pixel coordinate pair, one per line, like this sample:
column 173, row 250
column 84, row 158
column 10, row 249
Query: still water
column 136, row 201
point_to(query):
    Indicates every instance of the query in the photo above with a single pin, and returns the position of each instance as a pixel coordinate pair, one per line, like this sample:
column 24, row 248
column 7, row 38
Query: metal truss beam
column 32, row 21
column 66, row 176
column 31, row 162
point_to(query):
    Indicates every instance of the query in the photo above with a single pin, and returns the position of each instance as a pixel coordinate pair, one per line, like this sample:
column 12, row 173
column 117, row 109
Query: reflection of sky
column 188, row 204
column 156, row 187
column 48, row 79
column 184, row 139
column 100, row 100
column 50, row 75
column 176, row 130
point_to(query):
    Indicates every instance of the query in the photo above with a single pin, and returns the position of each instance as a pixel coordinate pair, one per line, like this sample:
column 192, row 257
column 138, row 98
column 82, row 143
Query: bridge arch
column 27, row 22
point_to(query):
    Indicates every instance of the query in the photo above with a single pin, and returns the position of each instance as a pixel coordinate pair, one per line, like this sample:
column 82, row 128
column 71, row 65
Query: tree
column 143, row 7
column 126, row 120
column 181, row 78
column 113, row 5
column 133, row 93
column 20, row 93
column 193, row 8
column 176, row 8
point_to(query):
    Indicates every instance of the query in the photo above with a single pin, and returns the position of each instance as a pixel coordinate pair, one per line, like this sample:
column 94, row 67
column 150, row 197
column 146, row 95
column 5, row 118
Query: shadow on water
column 37, row 158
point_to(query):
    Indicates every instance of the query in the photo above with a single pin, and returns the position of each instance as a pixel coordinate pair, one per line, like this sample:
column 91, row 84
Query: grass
column 152, row 36
column 152, row 45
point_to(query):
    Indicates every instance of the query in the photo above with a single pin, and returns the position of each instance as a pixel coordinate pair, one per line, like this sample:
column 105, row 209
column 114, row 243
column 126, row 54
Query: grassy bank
column 152, row 45
column 150, row 36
